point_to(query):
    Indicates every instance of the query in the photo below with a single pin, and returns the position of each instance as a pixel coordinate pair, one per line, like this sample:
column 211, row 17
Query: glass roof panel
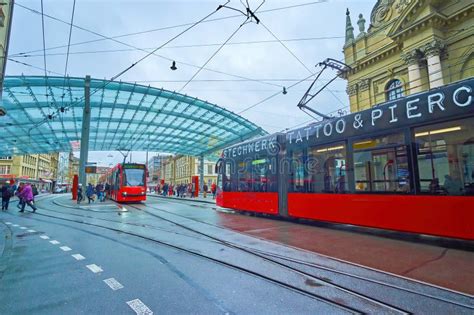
column 122, row 115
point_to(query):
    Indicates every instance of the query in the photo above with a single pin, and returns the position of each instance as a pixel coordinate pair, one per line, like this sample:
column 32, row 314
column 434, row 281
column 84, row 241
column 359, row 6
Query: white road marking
column 94, row 268
column 113, row 284
column 15, row 225
column 23, row 228
column 45, row 237
column 8, row 223
column 139, row 307
column 54, row 242
column 31, row 231
column 65, row 248
column 78, row 257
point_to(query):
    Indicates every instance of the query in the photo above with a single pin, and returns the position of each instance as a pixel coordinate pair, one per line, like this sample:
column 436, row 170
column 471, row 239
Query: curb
column 183, row 199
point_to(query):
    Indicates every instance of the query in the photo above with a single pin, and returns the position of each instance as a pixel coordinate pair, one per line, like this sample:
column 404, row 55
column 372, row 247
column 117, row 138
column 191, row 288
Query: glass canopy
column 45, row 115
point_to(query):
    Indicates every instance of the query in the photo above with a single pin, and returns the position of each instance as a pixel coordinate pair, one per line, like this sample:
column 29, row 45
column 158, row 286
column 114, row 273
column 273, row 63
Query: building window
column 4, row 169
column 381, row 164
column 5, row 157
column 445, row 155
column 394, row 90
column 209, row 169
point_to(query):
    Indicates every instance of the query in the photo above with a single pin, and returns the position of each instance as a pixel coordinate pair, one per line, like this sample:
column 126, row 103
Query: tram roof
column 124, row 116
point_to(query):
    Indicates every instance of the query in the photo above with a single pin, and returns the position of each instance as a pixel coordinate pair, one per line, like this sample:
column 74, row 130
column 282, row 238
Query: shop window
column 445, row 155
column 394, row 90
column 381, row 164
column 326, row 168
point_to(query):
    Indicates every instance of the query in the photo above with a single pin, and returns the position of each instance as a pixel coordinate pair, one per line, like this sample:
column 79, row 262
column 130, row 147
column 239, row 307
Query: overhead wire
column 141, row 59
column 167, row 27
column 298, row 59
column 210, row 58
column 24, row 55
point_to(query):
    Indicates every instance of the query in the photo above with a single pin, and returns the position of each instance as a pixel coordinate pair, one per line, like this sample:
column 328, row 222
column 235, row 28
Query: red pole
column 75, row 185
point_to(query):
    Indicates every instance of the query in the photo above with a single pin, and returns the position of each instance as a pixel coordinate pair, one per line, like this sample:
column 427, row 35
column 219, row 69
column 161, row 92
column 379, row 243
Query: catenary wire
column 166, row 27
column 307, row 39
column 139, row 60
column 210, row 58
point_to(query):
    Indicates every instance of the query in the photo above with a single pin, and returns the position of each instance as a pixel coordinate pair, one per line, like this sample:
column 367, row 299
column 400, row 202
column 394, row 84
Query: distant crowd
column 184, row 190
column 98, row 192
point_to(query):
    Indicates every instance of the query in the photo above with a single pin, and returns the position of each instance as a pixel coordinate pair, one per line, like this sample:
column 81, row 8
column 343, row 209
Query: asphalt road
column 172, row 257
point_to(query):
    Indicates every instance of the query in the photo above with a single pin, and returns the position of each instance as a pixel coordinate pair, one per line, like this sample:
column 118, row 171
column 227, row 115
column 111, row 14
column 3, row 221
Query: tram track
column 270, row 258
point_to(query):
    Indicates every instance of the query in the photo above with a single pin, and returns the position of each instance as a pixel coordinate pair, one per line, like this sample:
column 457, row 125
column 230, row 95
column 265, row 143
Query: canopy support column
column 201, row 172
column 86, row 122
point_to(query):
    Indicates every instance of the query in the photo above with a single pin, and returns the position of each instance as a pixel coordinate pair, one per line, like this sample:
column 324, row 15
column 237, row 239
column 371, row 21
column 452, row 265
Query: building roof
column 45, row 115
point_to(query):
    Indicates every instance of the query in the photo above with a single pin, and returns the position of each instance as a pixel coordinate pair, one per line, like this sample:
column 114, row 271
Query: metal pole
column 86, row 121
column 201, row 172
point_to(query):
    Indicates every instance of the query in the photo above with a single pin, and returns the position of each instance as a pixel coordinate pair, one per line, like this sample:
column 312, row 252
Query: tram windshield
column 134, row 176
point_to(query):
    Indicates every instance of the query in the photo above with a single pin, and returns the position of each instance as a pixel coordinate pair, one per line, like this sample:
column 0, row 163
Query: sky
column 251, row 67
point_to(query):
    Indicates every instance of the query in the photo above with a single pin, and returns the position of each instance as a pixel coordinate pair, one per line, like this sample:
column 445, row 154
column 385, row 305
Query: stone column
column 412, row 59
column 433, row 51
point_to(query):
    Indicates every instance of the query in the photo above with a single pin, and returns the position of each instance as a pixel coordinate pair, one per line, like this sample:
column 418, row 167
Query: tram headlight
column 124, row 193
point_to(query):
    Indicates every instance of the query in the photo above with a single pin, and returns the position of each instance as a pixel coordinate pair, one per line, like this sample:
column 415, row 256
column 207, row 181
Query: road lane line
column 8, row 223
column 15, row 225
column 23, row 228
column 45, row 237
column 54, row 242
column 139, row 307
column 78, row 257
column 94, row 268
column 113, row 284
column 65, row 248
column 31, row 231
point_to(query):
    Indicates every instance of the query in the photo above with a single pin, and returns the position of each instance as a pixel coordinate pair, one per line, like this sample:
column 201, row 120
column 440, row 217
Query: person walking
column 90, row 193
column 7, row 192
column 26, row 195
column 204, row 190
column 213, row 190
column 80, row 195
column 19, row 190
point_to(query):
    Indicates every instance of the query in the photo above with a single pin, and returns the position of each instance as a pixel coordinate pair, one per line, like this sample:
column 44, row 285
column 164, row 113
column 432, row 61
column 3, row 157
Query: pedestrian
column 90, row 193
column 19, row 190
column 80, row 195
column 7, row 192
column 26, row 195
column 204, row 190
column 213, row 190
column 34, row 189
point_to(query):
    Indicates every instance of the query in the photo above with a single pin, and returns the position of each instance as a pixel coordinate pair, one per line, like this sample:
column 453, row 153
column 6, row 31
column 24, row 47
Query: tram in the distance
column 405, row 165
column 127, row 182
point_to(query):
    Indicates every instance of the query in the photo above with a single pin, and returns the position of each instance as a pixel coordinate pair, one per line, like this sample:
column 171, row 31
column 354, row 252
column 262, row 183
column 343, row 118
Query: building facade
column 409, row 47
column 41, row 169
column 180, row 169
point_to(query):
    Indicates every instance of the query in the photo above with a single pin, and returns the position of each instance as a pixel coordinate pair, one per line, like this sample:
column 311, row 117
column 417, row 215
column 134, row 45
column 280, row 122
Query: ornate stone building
column 409, row 47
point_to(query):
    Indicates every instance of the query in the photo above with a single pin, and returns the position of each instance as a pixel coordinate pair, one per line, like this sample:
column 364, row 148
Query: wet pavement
column 173, row 256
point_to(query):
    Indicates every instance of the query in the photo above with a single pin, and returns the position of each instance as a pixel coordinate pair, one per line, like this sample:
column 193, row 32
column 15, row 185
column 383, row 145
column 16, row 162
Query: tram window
column 256, row 175
column 326, row 168
column 297, row 175
column 381, row 164
column 445, row 155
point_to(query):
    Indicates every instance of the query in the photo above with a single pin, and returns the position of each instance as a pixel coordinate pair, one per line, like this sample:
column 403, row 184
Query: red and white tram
column 405, row 165
column 127, row 182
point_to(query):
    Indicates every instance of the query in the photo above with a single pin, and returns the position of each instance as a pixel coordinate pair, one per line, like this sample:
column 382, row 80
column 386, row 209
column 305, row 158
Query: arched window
column 394, row 90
